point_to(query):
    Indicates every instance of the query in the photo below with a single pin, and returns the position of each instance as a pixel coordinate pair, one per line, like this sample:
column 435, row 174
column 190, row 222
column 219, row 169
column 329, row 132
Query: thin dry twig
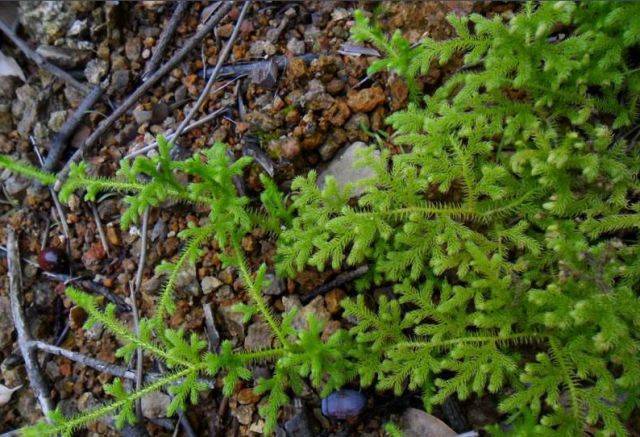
column 99, row 365
column 144, row 87
column 170, row 136
column 58, row 207
column 101, row 234
column 61, row 139
column 136, row 326
column 37, row 382
column 339, row 280
column 164, row 39
column 40, row 61
column 223, row 56
column 94, row 363
column 245, row 68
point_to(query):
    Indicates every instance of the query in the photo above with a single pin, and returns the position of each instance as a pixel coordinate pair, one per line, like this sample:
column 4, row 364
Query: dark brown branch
column 61, row 139
column 165, row 38
column 37, row 382
column 40, row 61
column 133, row 98
column 339, row 280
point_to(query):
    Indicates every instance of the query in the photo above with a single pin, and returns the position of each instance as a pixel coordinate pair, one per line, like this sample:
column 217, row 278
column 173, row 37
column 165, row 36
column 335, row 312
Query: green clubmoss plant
column 509, row 228
column 148, row 182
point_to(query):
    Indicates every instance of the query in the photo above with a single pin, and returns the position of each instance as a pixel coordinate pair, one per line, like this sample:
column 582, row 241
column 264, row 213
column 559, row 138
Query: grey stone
column 298, row 425
column 64, row 57
column 46, row 21
column 119, row 81
column 14, row 184
column 56, row 120
column 266, row 75
column 77, row 28
column 343, row 170
column 209, row 284
column 95, row 70
column 417, row 423
column 233, row 322
column 261, row 48
column 187, row 280
column 259, row 336
column 142, row 116
column 155, row 405
column 296, row 46
column 276, row 285
column 133, row 48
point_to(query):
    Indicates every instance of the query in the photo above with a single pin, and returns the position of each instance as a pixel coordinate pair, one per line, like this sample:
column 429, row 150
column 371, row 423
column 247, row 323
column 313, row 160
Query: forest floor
column 292, row 118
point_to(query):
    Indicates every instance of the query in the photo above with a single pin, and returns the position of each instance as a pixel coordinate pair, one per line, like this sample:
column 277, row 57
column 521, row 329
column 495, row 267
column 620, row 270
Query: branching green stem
column 74, row 423
column 256, row 295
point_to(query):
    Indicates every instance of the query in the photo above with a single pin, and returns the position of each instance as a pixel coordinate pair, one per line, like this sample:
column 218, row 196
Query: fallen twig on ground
column 96, row 218
column 170, row 136
column 133, row 97
column 62, row 217
column 247, row 67
column 339, row 280
column 164, row 39
column 136, row 326
column 36, row 380
column 61, row 139
column 40, row 61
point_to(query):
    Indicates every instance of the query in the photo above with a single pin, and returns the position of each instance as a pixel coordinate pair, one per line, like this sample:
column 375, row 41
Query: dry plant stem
column 61, row 139
column 136, row 324
column 40, row 61
column 245, row 68
column 143, row 251
column 99, row 365
column 193, row 125
column 133, row 97
column 103, row 238
column 165, row 38
column 339, row 280
column 37, row 382
column 62, row 217
column 221, row 58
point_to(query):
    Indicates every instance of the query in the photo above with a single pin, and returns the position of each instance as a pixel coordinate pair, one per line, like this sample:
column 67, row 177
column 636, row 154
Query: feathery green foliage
column 149, row 182
column 508, row 229
column 510, row 226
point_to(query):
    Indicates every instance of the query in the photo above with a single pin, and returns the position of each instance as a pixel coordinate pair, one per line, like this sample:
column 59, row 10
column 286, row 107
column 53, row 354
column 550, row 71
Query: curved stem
column 91, row 416
column 256, row 295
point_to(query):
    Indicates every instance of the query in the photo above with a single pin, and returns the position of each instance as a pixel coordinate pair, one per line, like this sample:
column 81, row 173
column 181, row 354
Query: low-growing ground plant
column 508, row 228
column 299, row 354
column 510, row 225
